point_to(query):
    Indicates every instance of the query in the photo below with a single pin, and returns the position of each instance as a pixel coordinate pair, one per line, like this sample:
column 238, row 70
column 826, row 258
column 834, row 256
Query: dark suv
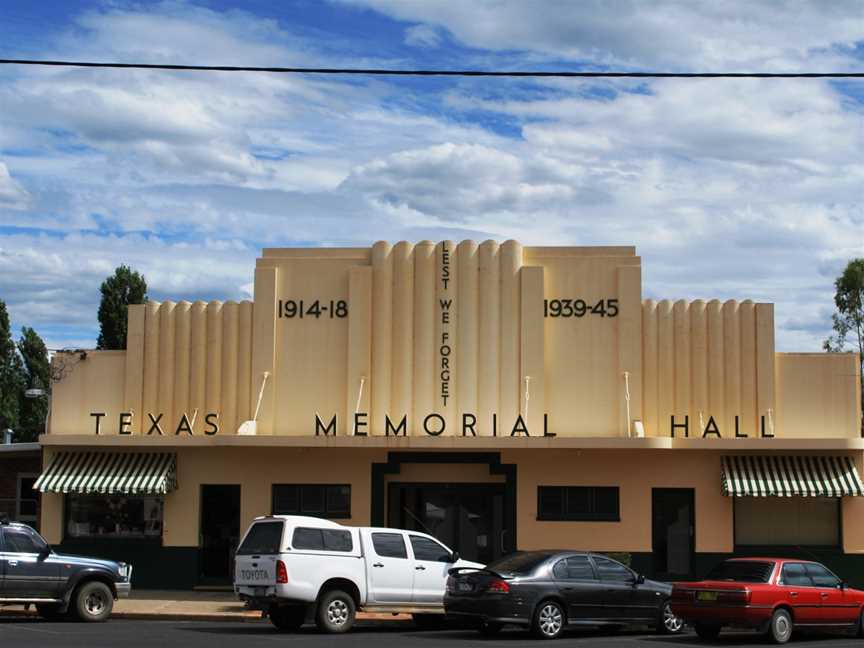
column 58, row 584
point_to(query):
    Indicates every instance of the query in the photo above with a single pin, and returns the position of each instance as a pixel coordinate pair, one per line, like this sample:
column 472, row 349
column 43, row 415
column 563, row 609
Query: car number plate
column 464, row 587
column 259, row 591
column 706, row 596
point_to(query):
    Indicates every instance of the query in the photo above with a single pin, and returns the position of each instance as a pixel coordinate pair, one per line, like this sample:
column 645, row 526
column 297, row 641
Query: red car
column 773, row 595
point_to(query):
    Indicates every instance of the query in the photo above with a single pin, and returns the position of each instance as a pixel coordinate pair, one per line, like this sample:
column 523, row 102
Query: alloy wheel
column 550, row 620
column 671, row 623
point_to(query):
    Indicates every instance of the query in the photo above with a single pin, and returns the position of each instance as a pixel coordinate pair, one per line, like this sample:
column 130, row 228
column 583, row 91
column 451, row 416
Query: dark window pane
column 305, row 538
column 608, row 569
column 312, row 499
column 263, row 538
column 286, row 499
column 743, row 571
column 560, row 569
column 579, row 568
column 551, row 502
column 523, row 562
column 389, row 545
column 336, row 540
column 426, row 549
column 795, row 575
column 606, row 503
column 820, row 576
column 22, row 541
column 339, row 500
column 109, row 516
column 580, row 503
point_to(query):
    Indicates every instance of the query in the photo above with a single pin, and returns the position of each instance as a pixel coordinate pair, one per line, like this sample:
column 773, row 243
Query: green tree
column 849, row 315
column 119, row 290
column 11, row 375
column 33, row 411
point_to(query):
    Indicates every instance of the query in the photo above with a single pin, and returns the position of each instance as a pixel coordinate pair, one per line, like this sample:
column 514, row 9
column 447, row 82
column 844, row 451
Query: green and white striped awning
column 129, row 473
column 791, row 475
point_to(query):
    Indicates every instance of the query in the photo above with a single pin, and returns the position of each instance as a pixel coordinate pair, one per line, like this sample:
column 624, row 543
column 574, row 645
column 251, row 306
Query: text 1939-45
column 580, row 308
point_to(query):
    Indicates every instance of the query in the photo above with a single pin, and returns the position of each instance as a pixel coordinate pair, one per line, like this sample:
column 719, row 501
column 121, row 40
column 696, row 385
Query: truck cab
column 294, row 567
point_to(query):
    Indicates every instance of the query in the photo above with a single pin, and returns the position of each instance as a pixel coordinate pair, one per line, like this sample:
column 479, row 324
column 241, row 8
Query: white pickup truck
column 293, row 567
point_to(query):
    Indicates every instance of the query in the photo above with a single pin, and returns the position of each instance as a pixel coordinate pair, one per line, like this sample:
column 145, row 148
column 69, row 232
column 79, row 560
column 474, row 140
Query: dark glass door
column 673, row 531
column 220, row 533
column 468, row 518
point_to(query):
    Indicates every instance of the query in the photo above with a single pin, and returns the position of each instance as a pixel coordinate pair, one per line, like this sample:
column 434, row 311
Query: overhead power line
column 441, row 73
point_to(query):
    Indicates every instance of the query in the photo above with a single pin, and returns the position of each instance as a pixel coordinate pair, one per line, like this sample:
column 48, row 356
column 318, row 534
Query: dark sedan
column 550, row 590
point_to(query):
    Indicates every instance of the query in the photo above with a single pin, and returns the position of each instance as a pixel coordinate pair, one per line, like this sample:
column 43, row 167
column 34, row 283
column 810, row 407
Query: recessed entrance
column 471, row 515
column 220, row 533
column 672, row 531
column 466, row 517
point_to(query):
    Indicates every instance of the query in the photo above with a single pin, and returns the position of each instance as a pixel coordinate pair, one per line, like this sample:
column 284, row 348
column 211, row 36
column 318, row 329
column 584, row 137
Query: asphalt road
column 21, row 632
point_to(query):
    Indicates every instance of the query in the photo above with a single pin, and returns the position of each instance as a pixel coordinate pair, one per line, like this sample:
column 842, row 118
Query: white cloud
column 672, row 35
column 12, row 194
column 422, row 36
column 729, row 189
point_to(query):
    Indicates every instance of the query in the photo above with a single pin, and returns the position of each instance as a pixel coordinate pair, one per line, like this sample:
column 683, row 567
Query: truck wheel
column 287, row 617
column 707, row 632
column 93, row 601
column 50, row 611
column 336, row 610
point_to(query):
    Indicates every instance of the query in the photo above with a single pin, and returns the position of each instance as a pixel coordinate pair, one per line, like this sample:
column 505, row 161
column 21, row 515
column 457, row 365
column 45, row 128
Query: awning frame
column 95, row 472
column 790, row 476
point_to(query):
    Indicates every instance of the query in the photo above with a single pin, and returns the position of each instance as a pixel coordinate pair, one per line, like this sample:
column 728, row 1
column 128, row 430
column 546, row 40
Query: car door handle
column 13, row 563
column 378, row 564
column 420, row 567
column 824, row 595
column 793, row 593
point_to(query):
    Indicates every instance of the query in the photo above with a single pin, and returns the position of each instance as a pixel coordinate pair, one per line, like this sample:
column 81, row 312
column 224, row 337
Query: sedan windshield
column 519, row 563
column 742, row 571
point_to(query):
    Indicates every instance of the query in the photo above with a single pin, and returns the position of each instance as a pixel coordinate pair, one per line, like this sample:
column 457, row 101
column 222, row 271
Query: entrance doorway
column 468, row 518
column 672, row 531
column 220, row 533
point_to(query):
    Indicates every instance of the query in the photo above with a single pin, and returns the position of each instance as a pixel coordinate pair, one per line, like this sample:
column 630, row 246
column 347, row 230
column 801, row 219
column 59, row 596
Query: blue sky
column 735, row 188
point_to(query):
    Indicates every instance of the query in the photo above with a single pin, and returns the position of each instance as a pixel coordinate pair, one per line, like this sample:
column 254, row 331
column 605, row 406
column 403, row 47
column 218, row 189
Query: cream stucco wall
column 636, row 473
column 818, row 392
column 458, row 330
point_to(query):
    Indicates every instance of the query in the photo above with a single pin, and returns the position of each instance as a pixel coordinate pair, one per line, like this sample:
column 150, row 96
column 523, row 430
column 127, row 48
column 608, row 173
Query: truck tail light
column 498, row 586
column 281, row 573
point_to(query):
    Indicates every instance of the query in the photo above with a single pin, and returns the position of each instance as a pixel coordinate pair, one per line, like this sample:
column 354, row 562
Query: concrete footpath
column 179, row 605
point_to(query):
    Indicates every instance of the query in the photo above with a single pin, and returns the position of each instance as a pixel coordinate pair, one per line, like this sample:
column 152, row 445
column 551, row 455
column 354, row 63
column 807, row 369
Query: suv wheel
column 288, row 617
column 548, row 620
column 50, row 611
column 93, row 601
column 336, row 610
